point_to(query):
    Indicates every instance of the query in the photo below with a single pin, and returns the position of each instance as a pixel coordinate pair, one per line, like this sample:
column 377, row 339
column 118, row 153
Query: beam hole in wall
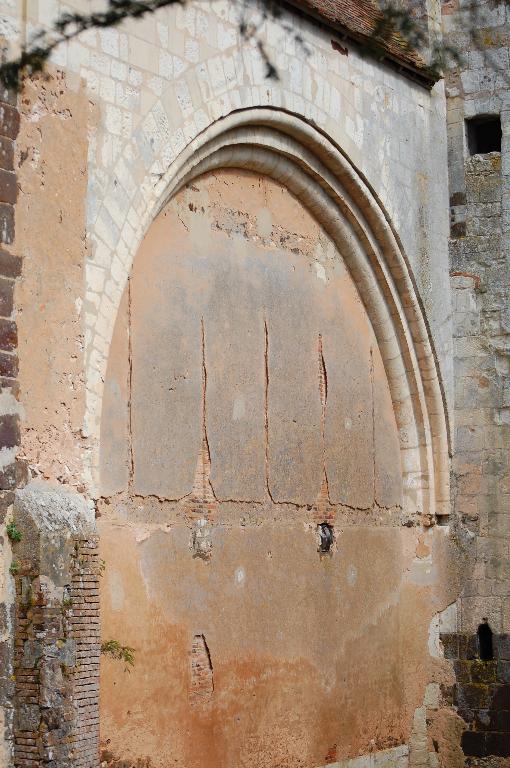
column 485, row 641
column 325, row 536
column 484, row 134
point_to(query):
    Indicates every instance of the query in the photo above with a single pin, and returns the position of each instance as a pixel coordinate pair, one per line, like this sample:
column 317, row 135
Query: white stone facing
column 397, row 757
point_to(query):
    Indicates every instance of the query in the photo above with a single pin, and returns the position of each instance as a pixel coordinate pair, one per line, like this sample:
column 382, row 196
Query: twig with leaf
column 115, row 650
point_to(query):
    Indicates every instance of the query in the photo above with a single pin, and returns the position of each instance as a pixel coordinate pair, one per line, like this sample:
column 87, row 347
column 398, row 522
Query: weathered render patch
column 52, row 146
column 211, row 506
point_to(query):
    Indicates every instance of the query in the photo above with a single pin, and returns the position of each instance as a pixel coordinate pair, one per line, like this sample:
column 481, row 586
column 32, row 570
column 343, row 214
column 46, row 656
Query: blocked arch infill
column 287, row 149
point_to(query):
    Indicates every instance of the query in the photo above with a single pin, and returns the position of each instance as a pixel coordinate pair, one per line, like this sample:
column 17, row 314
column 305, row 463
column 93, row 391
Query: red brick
column 8, row 187
column 10, row 265
column 8, row 335
column 6, row 223
column 9, row 120
column 6, row 153
column 8, row 365
column 6, row 296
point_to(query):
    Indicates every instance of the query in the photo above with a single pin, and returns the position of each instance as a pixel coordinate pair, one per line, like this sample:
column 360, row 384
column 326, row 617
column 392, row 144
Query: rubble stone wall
column 480, row 280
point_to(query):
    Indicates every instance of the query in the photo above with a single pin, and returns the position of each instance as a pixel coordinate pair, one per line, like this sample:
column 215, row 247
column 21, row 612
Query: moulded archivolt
column 286, row 148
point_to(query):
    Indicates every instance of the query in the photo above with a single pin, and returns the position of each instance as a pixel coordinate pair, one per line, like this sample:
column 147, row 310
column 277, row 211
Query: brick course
column 57, row 718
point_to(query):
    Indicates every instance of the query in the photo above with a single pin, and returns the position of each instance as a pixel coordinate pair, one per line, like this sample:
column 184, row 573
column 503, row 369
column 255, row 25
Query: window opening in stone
column 484, row 134
column 325, row 533
column 485, row 641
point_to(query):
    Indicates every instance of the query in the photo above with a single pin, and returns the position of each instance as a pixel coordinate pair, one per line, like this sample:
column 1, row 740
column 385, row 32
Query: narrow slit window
column 485, row 641
column 484, row 134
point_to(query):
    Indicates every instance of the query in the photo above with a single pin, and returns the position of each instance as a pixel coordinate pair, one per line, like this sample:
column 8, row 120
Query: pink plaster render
column 258, row 399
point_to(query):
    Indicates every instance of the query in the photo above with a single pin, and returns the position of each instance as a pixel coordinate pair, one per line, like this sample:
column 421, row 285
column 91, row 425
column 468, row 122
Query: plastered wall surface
column 243, row 364
column 51, row 239
column 224, row 392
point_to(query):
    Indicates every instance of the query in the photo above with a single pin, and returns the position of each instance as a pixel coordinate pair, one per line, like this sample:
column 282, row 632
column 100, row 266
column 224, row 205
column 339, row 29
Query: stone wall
column 105, row 141
column 482, row 693
column 480, row 280
column 11, row 471
column 57, row 641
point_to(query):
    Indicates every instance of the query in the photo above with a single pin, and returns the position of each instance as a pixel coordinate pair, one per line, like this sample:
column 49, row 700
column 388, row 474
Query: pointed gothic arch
column 286, row 148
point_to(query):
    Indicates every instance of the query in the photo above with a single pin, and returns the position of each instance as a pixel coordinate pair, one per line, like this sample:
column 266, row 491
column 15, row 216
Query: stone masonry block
column 8, row 335
column 473, row 744
column 9, row 431
column 6, row 153
column 8, row 187
column 8, row 365
column 498, row 744
column 6, row 296
column 503, row 671
column 501, row 645
column 49, row 516
column 450, row 642
column 473, row 696
column 462, row 672
column 6, row 223
column 483, row 672
column 9, row 120
column 500, row 720
column 468, row 646
column 13, row 476
column 501, row 698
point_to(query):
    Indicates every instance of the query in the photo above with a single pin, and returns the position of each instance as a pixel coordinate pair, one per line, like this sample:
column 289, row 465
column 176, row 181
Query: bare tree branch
column 395, row 19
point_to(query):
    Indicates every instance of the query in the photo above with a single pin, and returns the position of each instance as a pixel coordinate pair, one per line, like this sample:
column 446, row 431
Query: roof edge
column 420, row 73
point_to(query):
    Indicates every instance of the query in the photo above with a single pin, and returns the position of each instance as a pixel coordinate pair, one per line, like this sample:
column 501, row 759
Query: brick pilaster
column 57, row 631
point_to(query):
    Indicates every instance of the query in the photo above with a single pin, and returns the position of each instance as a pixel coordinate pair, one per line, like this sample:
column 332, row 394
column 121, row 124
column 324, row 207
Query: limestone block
column 49, row 516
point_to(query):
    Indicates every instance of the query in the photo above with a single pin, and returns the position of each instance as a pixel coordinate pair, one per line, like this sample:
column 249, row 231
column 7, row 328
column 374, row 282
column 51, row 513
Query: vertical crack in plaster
column 131, row 458
column 205, row 453
column 373, row 420
column 323, row 393
column 266, row 406
column 202, row 502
